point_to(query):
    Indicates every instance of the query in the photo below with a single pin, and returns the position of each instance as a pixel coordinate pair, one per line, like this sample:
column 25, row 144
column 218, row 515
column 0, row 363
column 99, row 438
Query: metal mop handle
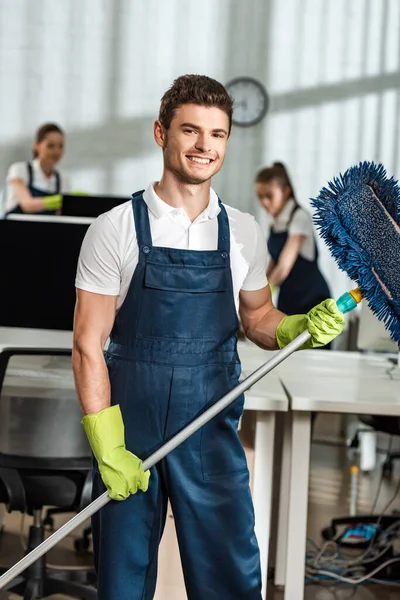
column 157, row 456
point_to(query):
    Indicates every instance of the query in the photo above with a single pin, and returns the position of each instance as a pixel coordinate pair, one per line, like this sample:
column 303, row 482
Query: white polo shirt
column 109, row 252
column 19, row 170
column 301, row 224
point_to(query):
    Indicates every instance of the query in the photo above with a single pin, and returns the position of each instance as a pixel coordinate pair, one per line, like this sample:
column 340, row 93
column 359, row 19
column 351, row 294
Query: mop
column 358, row 217
column 357, row 241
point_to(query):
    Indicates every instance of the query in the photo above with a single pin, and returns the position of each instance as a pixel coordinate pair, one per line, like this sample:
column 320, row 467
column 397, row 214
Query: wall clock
column 250, row 101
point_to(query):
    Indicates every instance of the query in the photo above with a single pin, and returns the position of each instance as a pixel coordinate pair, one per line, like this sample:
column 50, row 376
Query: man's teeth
column 202, row 161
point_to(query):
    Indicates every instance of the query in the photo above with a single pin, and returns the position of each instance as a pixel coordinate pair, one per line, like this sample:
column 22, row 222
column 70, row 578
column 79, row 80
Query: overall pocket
column 222, row 453
column 174, row 297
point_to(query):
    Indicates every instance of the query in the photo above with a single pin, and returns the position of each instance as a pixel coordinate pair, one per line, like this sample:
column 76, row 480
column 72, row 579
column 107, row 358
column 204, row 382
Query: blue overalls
column 305, row 286
column 173, row 353
column 36, row 193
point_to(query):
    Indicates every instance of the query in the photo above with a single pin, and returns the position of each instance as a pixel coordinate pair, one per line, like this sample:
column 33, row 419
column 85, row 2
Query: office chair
column 389, row 425
column 44, row 461
column 81, row 544
column 384, row 424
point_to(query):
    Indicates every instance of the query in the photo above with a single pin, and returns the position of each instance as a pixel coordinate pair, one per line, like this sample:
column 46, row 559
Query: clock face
column 250, row 101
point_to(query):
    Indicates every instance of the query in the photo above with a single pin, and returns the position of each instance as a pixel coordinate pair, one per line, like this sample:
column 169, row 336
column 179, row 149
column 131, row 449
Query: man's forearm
column 263, row 331
column 91, row 380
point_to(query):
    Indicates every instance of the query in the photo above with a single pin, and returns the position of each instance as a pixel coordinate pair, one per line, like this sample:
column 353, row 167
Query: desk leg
column 262, row 486
column 281, row 549
column 298, row 506
column 368, row 450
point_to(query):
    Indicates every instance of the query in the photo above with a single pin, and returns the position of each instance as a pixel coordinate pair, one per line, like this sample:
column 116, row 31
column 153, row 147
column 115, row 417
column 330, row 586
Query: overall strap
column 142, row 223
column 295, row 208
column 30, row 174
column 58, row 182
column 224, row 242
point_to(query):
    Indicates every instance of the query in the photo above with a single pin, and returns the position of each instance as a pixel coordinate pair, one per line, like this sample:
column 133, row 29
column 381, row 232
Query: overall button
column 146, row 249
column 224, row 254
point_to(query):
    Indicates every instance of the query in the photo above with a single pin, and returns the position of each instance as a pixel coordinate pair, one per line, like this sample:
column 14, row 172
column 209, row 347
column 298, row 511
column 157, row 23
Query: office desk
column 322, row 362
column 34, row 338
column 366, row 388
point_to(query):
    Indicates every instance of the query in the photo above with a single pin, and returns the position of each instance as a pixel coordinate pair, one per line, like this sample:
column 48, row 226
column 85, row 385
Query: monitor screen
column 89, row 206
column 38, row 264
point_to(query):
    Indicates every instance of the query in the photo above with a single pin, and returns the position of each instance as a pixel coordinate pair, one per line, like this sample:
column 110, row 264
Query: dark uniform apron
column 172, row 354
column 305, row 285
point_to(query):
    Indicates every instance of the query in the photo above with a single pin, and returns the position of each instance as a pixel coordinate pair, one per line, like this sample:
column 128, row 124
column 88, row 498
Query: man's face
column 194, row 146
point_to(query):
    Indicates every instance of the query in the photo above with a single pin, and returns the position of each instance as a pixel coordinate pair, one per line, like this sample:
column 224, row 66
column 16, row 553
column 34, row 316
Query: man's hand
column 324, row 322
column 271, row 329
column 120, row 470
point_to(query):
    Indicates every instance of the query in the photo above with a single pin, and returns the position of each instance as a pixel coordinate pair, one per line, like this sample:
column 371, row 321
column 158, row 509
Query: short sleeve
column 301, row 224
column 18, row 170
column 256, row 278
column 99, row 264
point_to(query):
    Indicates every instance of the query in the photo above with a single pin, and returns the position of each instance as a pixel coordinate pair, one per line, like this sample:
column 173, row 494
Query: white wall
column 100, row 67
column 335, row 83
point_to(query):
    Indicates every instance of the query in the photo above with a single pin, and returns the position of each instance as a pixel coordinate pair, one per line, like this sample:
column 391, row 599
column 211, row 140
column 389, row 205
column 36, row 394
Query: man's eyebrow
column 193, row 126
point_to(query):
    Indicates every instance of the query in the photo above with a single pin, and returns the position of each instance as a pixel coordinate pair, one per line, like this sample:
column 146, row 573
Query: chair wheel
column 49, row 522
column 82, row 544
column 329, row 533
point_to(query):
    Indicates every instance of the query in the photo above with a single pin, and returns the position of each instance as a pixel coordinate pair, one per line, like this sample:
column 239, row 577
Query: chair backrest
column 43, row 447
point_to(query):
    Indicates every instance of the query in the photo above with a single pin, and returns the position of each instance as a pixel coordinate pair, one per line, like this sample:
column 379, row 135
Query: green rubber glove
column 272, row 287
column 79, row 193
column 120, row 470
column 324, row 322
column 52, row 202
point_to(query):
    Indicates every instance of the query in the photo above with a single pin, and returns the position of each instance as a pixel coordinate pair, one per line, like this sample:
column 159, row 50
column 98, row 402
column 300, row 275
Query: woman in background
column 36, row 186
column 293, row 265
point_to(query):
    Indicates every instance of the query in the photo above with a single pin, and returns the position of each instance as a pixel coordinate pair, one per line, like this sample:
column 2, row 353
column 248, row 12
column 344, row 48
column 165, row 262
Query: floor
column 328, row 498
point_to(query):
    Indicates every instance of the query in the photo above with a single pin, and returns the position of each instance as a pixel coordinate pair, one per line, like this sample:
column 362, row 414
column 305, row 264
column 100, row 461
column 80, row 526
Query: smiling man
column 165, row 277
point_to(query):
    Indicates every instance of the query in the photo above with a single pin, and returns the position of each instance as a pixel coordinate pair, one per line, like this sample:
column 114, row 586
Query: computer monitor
column 372, row 334
column 89, row 206
column 39, row 257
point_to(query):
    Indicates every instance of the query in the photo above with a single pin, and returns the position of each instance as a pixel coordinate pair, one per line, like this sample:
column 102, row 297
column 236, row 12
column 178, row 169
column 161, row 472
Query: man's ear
column 160, row 134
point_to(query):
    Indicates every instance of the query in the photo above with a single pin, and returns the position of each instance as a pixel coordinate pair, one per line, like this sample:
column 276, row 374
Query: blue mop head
column 358, row 216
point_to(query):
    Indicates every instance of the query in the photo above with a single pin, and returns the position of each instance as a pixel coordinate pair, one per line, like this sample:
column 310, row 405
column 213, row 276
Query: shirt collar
column 36, row 166
column 284, row 216
column 160, row 209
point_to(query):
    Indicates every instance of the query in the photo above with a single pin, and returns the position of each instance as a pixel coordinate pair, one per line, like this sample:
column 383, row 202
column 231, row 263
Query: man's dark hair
column 194, row 89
